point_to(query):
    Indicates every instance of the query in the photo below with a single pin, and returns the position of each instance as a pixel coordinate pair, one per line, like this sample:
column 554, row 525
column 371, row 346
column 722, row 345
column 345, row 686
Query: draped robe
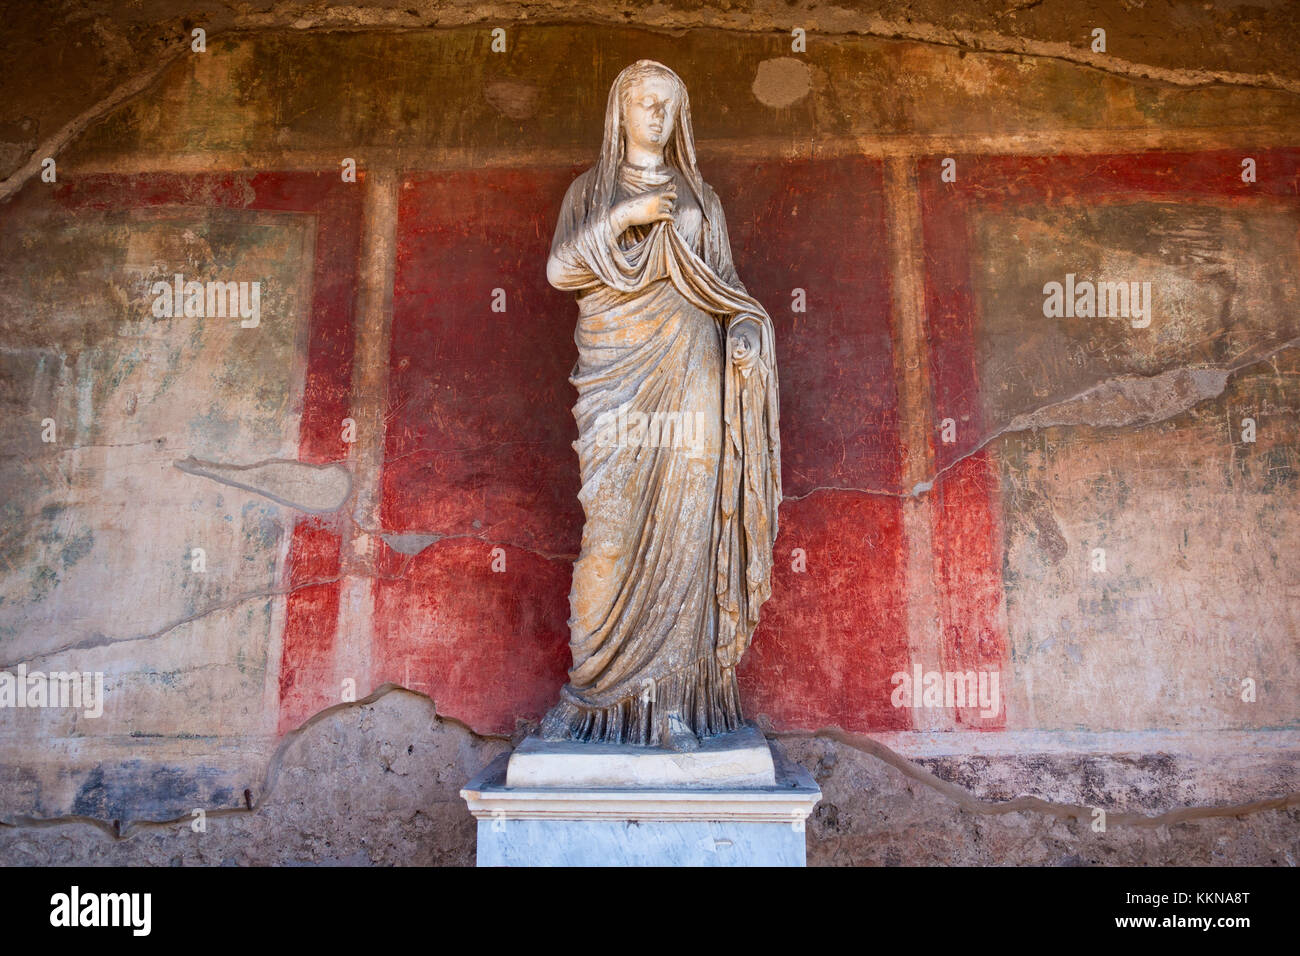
column 677, row 544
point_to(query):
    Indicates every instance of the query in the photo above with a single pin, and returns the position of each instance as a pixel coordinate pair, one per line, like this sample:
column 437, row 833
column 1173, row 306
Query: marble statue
column 678, row 441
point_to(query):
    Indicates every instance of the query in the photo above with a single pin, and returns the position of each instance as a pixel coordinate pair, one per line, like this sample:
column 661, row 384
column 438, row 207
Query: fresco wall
column 379, row 475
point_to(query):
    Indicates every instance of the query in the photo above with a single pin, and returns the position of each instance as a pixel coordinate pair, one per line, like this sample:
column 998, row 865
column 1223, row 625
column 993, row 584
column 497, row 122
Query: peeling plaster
column 512, row 98
column 782, row 81
column 103, row 640
column 963, row 799
column 971, row 804
column 413, row 542
column 315, row 489
column 410, row 543
column 1113, row 403
column 1130, row 400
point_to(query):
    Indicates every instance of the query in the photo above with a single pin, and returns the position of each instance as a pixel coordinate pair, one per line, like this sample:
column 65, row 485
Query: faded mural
column 1039, row 410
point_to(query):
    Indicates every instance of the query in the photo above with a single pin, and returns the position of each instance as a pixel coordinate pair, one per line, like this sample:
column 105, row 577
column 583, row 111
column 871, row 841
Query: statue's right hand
column 648, row 207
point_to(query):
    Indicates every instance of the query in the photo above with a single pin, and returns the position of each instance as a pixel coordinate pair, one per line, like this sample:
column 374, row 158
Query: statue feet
column 679, row 737
column 554, row 727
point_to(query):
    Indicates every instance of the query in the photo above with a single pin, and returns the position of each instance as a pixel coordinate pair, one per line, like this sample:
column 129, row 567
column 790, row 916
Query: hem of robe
column 703, row 694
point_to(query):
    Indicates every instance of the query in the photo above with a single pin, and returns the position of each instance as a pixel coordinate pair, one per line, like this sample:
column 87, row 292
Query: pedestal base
column 633, row 843
column 680, row 825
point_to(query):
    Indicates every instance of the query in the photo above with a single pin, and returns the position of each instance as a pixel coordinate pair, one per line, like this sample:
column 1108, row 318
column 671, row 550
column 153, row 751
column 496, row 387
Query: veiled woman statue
column 678, row 439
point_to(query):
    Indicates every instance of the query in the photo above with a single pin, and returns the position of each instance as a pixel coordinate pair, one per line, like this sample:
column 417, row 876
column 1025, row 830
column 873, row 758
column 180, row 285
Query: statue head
column 647, row 106
column 650, row 96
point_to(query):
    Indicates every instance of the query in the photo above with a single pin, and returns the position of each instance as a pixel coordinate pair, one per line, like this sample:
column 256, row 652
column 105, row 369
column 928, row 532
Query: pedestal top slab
column 736, row 760
column 789, row 801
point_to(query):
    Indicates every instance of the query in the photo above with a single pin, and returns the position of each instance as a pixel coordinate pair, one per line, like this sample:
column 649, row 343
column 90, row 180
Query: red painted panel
column 966, row 531
column 832, row 636
column 819, row 225
column 311, row 623
column 487, row 646
column 1120, row 177
column 480, row 431
column 950, row 319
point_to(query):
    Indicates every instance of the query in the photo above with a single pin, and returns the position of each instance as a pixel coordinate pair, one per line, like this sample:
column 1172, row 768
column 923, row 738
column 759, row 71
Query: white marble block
column 635, row 806
column 740, row 759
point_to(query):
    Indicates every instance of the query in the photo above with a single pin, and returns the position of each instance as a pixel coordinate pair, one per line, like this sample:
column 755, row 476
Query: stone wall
column 377, row 465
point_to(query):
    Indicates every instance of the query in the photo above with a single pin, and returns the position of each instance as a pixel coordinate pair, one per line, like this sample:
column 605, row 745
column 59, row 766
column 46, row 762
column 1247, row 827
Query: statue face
column 649, row 112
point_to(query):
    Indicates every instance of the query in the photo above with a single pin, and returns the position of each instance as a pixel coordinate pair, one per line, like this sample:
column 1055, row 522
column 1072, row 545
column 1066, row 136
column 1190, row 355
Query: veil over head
column 678, row 152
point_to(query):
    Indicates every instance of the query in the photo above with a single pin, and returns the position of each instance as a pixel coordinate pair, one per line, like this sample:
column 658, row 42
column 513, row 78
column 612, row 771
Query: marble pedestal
column 735, row 802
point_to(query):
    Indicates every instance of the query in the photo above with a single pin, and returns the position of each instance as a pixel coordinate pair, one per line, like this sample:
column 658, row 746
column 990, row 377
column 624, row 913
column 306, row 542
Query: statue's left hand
column 744, row 344
column 729, row 654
